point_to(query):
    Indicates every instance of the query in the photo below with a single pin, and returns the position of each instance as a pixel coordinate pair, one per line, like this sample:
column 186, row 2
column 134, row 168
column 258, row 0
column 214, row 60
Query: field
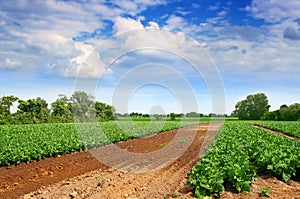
column 289, row 128
column 24, row 143
column 238, row 154
column 241, row 158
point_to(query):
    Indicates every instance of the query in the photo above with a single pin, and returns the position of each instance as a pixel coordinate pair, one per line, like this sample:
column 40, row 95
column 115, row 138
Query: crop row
column 288, row 127
column 24, row 143
column 239, row 151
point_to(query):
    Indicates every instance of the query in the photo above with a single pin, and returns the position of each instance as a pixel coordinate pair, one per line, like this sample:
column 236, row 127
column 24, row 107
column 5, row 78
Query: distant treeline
column 176, row 115
column 80, row 107
column 256, row 107
column 284, row 113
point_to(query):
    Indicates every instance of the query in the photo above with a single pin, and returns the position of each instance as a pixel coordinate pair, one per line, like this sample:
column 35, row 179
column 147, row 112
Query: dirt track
column 80, row 175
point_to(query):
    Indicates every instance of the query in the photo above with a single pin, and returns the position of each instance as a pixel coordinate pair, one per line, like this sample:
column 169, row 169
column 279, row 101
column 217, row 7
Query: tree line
column 80, row 107
column 256, row 107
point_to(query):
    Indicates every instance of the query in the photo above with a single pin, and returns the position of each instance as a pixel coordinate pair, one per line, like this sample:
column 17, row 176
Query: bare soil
column 81, row 175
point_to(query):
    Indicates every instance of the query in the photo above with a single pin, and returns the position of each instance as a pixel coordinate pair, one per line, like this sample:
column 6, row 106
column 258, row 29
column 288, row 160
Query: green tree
column 104, row 112
column 192, row 114
column 252, row 108
column 83, row 109
column 6, row 102
column 172, row 116
column 61, row 109
column 33, row 111
column 290, row 113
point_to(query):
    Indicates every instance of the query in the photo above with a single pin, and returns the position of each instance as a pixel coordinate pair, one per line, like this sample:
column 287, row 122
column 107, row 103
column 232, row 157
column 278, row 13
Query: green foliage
column 33, row 111
column 24, row 143
column 265, row 192
column 5, row 103
column 172, row 116
column 104, row 112
column 237, row 153
column 291, row 128
column 62, row 110
column 193, row 114
column 252, row 108
column 285, row 113
column 83, row 107
column 79, row 107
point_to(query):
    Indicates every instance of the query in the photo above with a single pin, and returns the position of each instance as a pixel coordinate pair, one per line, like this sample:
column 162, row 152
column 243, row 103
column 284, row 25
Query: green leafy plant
column 24, row 143
column 235, row 156
column 265, row 192
column 291, row 128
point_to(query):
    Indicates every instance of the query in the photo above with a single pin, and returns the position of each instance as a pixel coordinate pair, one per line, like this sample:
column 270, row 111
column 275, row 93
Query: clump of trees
column 252, row 108
column 80, row 107
column 256, row 107
column 284, row 113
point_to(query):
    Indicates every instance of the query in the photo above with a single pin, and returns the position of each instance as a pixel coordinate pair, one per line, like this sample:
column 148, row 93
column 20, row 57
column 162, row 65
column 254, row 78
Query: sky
column 152, row 56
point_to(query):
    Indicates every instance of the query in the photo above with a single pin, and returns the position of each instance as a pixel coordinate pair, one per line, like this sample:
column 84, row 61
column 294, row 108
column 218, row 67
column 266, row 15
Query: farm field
column 24, row 143
column 289, row 128
column 241, row 153
column 238, row 154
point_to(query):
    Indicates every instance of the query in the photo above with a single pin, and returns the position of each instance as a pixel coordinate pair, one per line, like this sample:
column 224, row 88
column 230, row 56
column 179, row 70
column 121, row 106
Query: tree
column 61, row 109
column 104, row 112
column 290, row 113
column 83, row 109
column 252, row 108
column 5, row 104
column 172, row 116
column 192, row 114
column 33, row 110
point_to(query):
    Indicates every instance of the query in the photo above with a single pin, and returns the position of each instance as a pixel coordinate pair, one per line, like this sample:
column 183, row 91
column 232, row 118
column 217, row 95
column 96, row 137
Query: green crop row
column 24, row 143
column 291, row 128
column 239, row 151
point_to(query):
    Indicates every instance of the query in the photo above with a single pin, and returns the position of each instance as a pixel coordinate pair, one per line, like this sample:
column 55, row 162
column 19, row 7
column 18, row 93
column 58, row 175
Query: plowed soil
column 81, row 175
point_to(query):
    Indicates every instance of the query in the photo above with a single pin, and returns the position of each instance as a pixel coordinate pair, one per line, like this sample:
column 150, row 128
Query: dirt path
column 277, row 132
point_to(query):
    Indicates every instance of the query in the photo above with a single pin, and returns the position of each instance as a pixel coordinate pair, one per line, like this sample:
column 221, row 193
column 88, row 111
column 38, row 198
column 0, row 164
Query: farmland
column 289, row 128
column 238, row 153
column 237, row 157
column 24, row 143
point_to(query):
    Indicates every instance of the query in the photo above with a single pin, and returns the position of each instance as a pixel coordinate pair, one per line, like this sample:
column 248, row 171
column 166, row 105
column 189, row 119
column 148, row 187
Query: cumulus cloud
column 247, row 32
column 126, row 24
column 40, row 33
column 275, row 10
column 297, row 21
column 291, row 33
column 175, row 22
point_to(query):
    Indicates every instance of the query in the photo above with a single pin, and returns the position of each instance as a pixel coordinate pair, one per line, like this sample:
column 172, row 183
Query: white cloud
column 214, row 7
column 195, row 5
column 136, row 6
column 153, row 25
column 275, row 10
column 174, row 23
column 39, row 33
column 126, row 24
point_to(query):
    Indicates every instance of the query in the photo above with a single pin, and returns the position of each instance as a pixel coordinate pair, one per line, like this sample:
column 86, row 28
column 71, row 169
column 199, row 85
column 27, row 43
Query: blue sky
column 152, row 55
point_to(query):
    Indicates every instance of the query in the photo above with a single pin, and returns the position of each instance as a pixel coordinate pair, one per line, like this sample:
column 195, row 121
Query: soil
column 81, row 175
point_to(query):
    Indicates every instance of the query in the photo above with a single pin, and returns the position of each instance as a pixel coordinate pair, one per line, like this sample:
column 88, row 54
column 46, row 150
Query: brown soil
column 81, row 175
column 277, row 189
